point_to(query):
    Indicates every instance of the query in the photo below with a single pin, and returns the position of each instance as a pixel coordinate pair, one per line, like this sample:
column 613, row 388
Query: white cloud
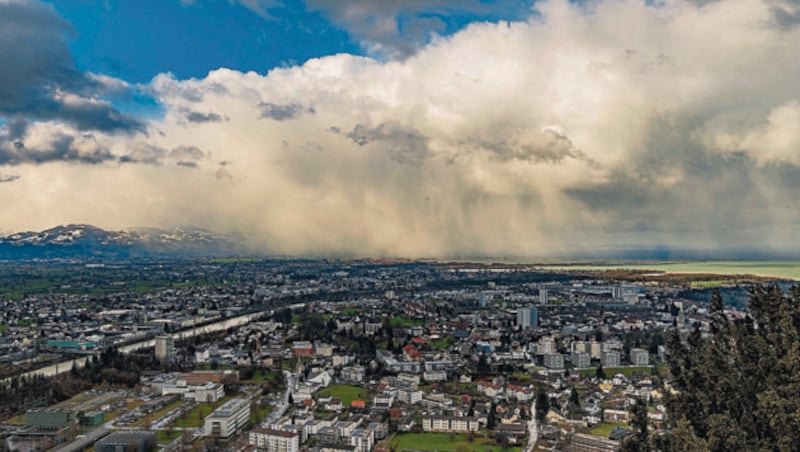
column 611, row 124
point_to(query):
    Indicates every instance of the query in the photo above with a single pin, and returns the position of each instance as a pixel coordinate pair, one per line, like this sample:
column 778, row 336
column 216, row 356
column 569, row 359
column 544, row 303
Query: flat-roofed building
column 640, row 357
column 228, row 418
column 127, row 441
column 270, row 440
column 50, row 418
column 581, row 442
column 581, row 359
column 449, row 424
column 554, row 361
column 165, row 348
column 610, row 359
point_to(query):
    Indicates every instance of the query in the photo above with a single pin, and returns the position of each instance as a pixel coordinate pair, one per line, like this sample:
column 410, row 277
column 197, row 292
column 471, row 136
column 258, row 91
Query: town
column 283, row 356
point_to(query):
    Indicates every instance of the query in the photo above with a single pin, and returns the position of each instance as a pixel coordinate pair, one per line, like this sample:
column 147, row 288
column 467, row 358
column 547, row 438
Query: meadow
column 774, row 269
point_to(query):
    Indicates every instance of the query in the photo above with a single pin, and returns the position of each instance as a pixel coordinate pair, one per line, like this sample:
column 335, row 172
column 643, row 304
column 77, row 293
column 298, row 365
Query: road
column 533, row 429
column 283, row 406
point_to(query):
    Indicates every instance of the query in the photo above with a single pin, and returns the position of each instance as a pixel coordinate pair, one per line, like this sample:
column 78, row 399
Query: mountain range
column 80, row 241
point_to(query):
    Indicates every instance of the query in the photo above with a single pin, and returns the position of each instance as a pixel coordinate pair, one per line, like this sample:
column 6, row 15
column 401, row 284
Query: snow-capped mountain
column 83, row 241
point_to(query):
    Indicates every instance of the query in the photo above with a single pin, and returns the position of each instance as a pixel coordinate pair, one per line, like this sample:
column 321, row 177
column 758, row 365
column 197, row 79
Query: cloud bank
column 586, row 129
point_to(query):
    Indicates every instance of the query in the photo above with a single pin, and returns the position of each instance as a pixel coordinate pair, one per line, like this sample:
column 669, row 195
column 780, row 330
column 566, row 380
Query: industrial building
column 127, row 441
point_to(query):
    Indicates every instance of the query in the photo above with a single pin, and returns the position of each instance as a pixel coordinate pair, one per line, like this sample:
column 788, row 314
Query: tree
column 737, row 389
column 574, row 399
column 639, row 441
column 600, row 373
column 492, row 418
column 542, row 404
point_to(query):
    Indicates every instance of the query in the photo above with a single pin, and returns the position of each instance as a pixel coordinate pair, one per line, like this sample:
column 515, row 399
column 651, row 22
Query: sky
column 409, row 128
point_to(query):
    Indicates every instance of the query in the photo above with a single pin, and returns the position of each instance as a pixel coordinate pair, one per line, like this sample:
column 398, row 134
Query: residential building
column 270, row 440
column 640, row 357
column 302, row 348
column 489, row 389
column 362, row 439
column 449, row 424
column 520, row 393
column 596, row 350
column 554, row 361
column 546, row 345
column 409, row 396
column 527, row 318
column 434, row 376
column 353, row 374
column 580, row 359
column 542, row 295
column 610, row 359
column 165, row 348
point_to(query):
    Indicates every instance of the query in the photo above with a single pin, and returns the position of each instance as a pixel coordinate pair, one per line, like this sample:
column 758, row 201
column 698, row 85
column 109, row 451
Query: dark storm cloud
column 677, row 184
column 187, row 153
column 280, row 112
column 60, row 147
column 403, row 144
column 38, row 80
column 397, row 28
column 785, row 17
column 197, row 117
column 149, row 154
column 144, row 153
column 551, row 146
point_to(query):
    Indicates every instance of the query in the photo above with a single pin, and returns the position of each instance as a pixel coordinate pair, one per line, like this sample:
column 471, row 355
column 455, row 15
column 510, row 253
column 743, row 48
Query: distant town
column 350, row 356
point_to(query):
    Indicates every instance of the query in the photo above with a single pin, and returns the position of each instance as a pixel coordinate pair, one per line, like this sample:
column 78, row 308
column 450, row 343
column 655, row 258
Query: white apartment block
column 640, row 357
column 448, row 424
column 554, row 361
column 580, row 359
column 362, row 439
column 610, row 359
column 270, row 440
column 409, row 396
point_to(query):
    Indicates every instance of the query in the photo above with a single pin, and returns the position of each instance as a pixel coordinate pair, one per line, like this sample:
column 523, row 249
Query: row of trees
column 110, row 369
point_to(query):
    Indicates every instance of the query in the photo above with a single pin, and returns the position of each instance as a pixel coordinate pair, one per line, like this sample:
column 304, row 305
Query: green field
column 442, row 343
column 404, row 322
column 442, row 442
column 264, row 376
column 167, row 436
column 345, row 393
column 611, row 371
column 775, row 269
column 605, row 428
column 713, row 284
column 197, row 415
